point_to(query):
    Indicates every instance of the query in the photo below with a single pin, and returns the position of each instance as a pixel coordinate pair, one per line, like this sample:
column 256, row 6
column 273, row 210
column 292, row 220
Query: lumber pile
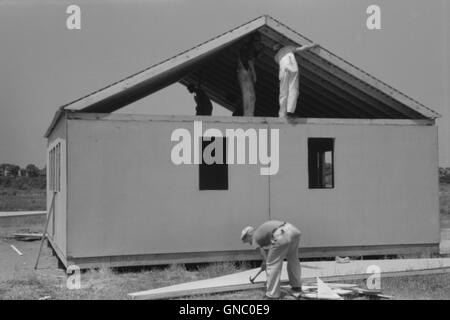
column 27, row 236
column 335, row 291
column 328, row 271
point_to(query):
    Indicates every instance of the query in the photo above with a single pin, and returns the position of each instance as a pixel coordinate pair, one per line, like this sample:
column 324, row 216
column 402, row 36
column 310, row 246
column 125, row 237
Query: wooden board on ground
column 28, row 236
column 9, row 214
column 326, row 270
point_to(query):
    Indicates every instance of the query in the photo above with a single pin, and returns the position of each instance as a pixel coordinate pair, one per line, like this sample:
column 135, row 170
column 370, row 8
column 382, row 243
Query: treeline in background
column 444, row 175
column 14, row 177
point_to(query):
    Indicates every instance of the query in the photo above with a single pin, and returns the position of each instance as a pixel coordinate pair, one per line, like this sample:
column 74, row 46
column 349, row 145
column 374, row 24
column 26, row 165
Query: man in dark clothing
column 282, row 240
column 204, row 105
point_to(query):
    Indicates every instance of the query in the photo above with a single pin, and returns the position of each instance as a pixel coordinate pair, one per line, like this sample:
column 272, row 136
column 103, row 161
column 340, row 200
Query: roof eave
column 56, row 117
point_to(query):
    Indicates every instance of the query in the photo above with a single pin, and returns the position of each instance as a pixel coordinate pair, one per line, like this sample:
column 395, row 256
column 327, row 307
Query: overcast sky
column 44, row 65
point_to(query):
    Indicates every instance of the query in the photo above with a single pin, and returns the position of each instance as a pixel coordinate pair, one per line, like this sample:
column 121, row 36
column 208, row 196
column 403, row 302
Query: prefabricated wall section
column 57, row 228
column 129, row 204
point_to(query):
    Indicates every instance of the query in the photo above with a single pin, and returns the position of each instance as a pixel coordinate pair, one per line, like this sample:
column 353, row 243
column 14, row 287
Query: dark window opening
column 213, row 176
column 321, row 163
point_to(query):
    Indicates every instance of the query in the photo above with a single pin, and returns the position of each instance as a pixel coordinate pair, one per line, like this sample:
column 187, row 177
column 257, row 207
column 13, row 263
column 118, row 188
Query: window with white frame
column 54, row 168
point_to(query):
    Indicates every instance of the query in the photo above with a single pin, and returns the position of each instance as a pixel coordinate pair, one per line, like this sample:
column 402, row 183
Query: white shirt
column 286, row 59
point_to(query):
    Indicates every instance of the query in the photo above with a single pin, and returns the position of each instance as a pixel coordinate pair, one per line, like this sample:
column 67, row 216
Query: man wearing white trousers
column 282, row 240
column 288, row 76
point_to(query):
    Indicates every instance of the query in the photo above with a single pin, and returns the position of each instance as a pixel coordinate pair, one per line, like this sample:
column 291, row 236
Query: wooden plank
column 27, row 236
column 343, row 292
column 259, row 285
column 16, row 250
column 325, row 292
column 331, row 285
column 201, row 291
column 316, row 296
column 328, row 271
column 383, row 296
column 226, row 119
column 11, row 214
column 24, row 234
column 367, row 292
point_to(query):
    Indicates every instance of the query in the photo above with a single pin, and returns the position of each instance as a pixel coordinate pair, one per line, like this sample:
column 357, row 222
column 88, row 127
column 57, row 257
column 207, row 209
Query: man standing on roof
column 282, row 240
column 288, row 76
column 204, row 105
column 247, row 74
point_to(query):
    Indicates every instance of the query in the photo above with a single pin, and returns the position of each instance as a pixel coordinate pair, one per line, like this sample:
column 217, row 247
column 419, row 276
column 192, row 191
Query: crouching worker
column 282, row 240
column 204, row 105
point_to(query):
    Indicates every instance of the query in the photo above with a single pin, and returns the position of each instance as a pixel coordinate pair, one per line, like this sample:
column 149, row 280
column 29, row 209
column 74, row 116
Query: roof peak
column 171, row 70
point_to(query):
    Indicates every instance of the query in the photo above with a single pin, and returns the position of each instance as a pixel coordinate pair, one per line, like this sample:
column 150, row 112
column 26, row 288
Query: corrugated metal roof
column 330, row 87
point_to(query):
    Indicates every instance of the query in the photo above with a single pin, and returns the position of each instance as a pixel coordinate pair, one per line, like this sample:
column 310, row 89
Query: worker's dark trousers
column 284, row 245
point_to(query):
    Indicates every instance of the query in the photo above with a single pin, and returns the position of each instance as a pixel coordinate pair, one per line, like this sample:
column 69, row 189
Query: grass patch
column 26, row 287
column 107, row 283
column 221, row 269
column 23, row 193
column 116, row 283
column 22, row 200
column 444, row 204
column 427, row 287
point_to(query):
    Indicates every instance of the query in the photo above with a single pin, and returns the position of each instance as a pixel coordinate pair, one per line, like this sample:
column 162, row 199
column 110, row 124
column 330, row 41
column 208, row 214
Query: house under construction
column 357, row 170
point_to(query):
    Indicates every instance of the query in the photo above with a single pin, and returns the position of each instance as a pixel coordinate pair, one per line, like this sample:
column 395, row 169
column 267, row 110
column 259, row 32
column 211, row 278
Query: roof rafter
column 351, row 73
column 329, row 79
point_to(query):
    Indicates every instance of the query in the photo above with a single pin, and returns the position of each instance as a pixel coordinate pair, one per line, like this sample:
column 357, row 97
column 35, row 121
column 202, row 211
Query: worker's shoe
column 290, row 115
column 297, row 289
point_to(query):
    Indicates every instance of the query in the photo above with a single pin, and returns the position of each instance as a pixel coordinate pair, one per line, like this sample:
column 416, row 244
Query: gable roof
column 330, row 86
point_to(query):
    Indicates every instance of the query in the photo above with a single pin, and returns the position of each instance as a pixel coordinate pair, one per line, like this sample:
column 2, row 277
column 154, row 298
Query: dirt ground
column 11, row 264
column 18, row 280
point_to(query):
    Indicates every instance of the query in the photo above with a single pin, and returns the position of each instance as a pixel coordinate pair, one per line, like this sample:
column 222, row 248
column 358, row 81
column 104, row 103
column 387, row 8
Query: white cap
column 246, row 231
